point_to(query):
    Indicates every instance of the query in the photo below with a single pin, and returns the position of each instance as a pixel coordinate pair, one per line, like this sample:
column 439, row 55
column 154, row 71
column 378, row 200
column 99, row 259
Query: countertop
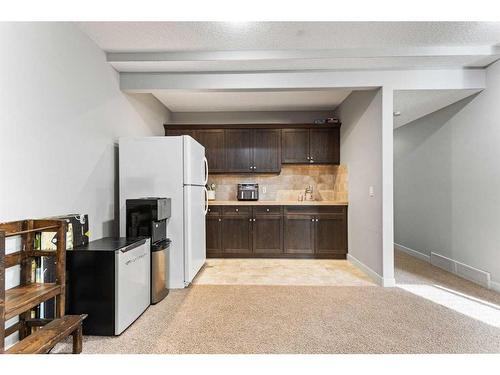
column 277, row 203
column 111, row 244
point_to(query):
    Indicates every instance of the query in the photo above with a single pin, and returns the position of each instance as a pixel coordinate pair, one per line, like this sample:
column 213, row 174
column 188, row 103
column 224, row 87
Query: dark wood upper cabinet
column 263, row 148
column 310, row 146
column 213, row 141
column 180, row 132
column 238, row 150
column 295, row 145
column 324, row 146
column 266, row 150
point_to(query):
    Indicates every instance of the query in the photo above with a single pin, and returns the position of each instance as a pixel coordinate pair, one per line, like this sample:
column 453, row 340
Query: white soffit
column 414, row 104
column 230, row 101
column 354, row 63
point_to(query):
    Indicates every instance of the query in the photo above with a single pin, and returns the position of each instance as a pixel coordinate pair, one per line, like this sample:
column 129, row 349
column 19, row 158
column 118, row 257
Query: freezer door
column 194, row 231
column 195, row 166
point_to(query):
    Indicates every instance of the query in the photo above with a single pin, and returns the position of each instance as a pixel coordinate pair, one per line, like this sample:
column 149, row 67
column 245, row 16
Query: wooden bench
column 44, row 339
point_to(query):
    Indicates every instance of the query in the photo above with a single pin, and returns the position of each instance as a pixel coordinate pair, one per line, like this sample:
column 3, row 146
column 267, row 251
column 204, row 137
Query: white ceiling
column 414, row 104
column 228, row 36
column 296, row 46
column 179, row 47
column 229, row 101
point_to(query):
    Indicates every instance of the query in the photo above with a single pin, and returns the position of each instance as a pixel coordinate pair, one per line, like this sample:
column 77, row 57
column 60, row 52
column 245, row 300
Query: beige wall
column 330, row 180
column 361, row 151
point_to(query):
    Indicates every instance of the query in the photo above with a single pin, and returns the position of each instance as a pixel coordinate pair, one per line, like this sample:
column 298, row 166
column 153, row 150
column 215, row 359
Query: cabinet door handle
column 312, row 220
column 249, row 219
column 254, row 220
column 220, row 219
column 236, row 209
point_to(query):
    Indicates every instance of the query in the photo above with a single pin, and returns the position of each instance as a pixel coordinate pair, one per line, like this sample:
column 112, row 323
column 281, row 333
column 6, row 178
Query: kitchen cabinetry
column 263, row 149
column 267, row 230
column 319, row 230
column 213, row 141
column 311, row 146
column 266, row 150
column 238, row 150
column 299, row 234
column 277, row 231
column 324, row 146
column 295, row 145
column 236, row 231
column 214, row 232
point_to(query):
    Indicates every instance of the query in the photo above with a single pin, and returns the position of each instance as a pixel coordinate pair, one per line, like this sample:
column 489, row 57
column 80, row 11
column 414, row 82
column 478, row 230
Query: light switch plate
column 370, row 191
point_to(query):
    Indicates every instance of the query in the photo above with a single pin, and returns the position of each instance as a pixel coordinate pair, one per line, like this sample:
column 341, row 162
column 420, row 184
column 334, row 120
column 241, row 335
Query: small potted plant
column 211, row 192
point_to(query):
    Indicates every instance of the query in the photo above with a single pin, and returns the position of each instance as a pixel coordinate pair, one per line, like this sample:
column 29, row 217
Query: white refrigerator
column 171, row 167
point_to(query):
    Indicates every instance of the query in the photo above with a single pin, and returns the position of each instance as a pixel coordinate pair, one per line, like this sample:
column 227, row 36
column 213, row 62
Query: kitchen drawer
column 214, row 211
column 236, row 210
column 314, row 210
column 267, row 210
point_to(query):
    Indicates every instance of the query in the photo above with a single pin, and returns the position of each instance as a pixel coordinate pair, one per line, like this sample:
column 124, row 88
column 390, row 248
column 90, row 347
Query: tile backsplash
column 329, row 182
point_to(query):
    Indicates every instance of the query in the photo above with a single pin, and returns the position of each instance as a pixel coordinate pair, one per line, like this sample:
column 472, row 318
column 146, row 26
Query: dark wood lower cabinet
column 236, row 235
column 299, row 234
column 277, row 232
column 267, row 235
column 214, row 236
column 331, row 234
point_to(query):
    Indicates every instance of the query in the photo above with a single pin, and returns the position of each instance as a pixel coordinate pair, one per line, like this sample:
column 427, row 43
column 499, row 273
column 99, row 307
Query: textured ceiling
column 229, row 101
column 224, row 36
column 414, row 104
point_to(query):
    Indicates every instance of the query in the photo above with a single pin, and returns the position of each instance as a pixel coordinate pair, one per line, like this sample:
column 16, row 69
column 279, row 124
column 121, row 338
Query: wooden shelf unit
column 20, row 300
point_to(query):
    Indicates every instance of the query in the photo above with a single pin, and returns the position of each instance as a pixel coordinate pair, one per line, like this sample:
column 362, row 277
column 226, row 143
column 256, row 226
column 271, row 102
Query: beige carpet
column 306, row 319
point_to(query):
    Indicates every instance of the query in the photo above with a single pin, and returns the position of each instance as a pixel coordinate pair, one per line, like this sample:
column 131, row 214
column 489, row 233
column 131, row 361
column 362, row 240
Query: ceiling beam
column 115, row 57
column 397, row 79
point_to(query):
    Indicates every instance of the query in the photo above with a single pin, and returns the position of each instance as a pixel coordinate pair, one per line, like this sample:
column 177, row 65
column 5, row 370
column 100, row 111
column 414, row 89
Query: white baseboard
column 413, row 253
column 385, row 282
column 463, row 270
column 495, row 286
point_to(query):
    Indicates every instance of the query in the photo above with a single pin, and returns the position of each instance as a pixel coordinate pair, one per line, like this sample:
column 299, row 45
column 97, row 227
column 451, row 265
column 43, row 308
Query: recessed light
column 396, row 113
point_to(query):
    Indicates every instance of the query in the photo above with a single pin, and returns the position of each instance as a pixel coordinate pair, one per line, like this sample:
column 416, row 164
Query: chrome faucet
column 308, row 195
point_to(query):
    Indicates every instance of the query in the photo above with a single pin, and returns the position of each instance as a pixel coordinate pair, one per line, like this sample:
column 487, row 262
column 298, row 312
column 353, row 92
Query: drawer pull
column 220, row 219
column 267, row 209
column 236, row 209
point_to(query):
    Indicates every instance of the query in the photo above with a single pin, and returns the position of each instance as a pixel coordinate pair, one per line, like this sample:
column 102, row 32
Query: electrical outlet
column 264, row 190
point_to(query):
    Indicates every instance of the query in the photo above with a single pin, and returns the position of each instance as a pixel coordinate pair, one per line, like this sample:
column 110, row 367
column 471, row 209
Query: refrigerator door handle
column 206, row 170
column 206, row 200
